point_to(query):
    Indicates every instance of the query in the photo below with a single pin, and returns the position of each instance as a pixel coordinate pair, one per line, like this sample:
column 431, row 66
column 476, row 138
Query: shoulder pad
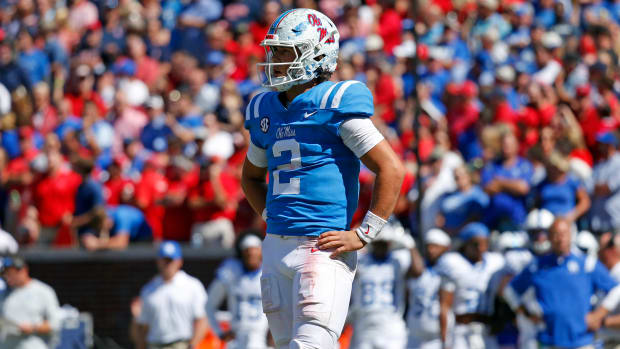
column 447, row 263
column 348, row 97
column 228, row 270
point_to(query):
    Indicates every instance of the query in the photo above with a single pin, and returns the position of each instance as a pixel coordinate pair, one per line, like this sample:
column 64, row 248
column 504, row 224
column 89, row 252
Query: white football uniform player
column 242, row 291
column 378, row 302
column 470, row 284
column 423, row 313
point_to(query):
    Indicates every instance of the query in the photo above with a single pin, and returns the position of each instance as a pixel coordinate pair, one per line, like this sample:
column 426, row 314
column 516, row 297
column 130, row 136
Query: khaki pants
column 174, row 345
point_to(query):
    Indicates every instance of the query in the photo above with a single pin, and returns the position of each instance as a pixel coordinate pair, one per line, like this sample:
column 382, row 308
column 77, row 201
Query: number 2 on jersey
column 292, row 187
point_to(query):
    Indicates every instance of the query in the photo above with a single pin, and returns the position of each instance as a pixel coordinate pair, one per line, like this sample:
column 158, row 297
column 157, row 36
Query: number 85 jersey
column 311, row 150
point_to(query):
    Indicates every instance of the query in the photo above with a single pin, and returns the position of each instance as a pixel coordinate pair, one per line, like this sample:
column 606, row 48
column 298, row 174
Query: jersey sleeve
column 253, row 119
column 445, row 269
column 350, row 98
column 359, row 135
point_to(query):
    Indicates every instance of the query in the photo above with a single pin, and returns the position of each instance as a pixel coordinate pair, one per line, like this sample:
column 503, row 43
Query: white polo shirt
column 170, row 308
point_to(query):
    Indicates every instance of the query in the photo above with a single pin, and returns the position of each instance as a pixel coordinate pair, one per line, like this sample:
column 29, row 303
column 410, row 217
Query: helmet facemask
column 301, row 70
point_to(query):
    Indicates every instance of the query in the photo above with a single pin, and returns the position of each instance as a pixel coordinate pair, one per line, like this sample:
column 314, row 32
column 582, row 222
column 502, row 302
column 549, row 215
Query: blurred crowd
column 122, row 120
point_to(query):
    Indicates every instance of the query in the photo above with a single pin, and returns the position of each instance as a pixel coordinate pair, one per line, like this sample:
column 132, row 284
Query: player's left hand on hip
column 594, row 321
column 340, row 240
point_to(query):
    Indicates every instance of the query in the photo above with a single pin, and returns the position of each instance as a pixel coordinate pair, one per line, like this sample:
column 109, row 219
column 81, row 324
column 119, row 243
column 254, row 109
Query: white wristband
column 264, row 214
column 370, row 227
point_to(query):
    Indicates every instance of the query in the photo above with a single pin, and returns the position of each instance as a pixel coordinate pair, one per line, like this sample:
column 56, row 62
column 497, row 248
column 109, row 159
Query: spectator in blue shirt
column 155, row 134
column 122, row 224
column 562, row 193
column 89, row 210
column 31, row 59
column 563, row 283
column 463, row 206
column 507, row 181
column 12, row 76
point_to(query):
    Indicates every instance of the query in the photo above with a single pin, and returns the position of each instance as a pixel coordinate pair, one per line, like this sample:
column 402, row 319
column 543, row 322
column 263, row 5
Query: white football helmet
column 314, row 38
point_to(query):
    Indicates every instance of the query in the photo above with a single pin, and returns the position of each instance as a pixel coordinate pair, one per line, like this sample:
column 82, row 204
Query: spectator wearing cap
column 89, row 202
column 154, row 135
column 120, row 226
column 561, row 193
column 507, row 181
column 172, row 314
column 558, row 276
column 213, row 203
column 422, row 318
column 135, row 90
column 466, row 289
column 29, row 309
column 467, row 204
column 605, row 212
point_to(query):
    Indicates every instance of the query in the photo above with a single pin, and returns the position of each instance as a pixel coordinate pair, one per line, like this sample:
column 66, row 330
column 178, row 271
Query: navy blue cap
column 13, row 262
column 607, row 138
column 473, row 230
column 170, row 249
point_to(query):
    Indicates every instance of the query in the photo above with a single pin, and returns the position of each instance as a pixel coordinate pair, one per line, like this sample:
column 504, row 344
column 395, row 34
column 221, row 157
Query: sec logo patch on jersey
column 264, row 124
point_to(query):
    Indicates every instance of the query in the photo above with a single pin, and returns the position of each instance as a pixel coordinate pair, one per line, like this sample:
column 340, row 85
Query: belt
column 160, row 345
column 470, row 318
column 289, row 237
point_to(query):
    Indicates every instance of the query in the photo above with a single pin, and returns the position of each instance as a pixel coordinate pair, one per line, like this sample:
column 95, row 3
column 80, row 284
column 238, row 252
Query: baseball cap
column 82, row 71
column 170, row 249
column 437, row 237
column 248, row 241
column 607, row 138
column 16, row 262
column 473, row 230
column 124, row 66
column 154, row 102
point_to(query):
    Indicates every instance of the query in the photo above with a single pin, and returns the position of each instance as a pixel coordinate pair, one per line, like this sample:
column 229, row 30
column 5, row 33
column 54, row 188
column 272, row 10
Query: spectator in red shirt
column 117, row 189
column 147, row 69
column 213, row 202
column 587, row 115
column 177, row 220
column 83, row 91
column 149, row 191
column 390, row 27
column 54, row 195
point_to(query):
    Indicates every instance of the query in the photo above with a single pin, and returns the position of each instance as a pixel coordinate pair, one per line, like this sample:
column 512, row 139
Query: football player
column 378, row 301
column 423, row 314
column 464, row 289
column 309, row 135
column 238, row 281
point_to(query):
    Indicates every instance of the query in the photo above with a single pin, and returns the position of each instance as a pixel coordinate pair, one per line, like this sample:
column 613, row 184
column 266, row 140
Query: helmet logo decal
column 314, row 20
column 264, row 124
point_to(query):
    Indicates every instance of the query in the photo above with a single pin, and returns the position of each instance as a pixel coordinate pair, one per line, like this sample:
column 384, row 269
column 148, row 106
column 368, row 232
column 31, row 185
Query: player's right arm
column 217, row 294
column 254, row 184
column 446, row 299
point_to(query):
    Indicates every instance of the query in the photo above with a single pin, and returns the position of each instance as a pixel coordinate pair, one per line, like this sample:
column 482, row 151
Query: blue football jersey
column 313, row 175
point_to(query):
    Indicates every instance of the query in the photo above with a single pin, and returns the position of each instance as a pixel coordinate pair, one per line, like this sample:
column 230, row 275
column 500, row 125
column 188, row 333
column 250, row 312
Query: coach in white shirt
column 172, row 315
